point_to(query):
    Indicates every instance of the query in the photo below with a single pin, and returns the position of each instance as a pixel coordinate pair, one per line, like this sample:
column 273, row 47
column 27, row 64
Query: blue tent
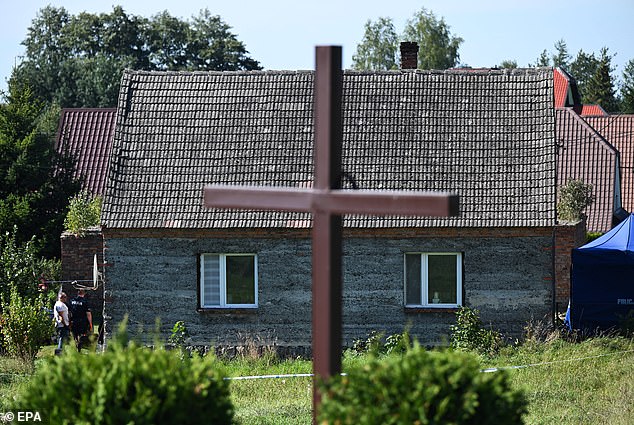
column 602, row 280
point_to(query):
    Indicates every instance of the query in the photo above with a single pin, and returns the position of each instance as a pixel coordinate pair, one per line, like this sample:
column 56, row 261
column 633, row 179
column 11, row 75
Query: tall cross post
column 328, row 202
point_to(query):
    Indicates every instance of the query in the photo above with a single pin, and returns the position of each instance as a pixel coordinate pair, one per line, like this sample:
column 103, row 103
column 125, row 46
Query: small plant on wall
column 574, row 197
column 84, row 211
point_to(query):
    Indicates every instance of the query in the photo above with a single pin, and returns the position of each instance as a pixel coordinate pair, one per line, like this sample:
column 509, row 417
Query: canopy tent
column 602, row 281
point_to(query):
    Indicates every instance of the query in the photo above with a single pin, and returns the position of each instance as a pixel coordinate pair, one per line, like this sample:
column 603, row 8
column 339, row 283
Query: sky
column 282, row 34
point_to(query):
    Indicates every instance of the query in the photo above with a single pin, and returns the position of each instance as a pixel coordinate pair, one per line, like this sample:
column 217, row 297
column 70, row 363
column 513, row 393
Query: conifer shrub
column 129, row 384
column 421, row 387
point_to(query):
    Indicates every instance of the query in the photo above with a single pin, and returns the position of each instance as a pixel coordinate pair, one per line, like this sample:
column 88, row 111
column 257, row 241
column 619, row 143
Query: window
column 433, row 280
column 228, row 280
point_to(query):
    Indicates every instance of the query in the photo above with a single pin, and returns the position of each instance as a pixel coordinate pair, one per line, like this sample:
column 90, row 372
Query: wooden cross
column 328, row 202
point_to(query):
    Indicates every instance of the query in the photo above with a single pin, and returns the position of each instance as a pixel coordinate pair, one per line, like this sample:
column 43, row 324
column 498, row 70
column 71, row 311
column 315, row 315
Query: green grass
column 597, row 389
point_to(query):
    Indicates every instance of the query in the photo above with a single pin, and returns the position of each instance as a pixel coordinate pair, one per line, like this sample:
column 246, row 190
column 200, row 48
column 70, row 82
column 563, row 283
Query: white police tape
column 488, row 370
column 496, row 369
column 290, row 375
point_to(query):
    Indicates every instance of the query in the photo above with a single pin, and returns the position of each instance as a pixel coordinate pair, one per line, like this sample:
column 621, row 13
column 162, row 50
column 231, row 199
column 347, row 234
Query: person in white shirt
column 60, row 314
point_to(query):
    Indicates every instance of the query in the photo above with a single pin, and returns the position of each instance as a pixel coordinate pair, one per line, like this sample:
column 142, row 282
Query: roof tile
column 488, row 136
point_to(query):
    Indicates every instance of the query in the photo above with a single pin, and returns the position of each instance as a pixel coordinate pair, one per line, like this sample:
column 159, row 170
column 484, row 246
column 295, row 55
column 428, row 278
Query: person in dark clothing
column 81, row 319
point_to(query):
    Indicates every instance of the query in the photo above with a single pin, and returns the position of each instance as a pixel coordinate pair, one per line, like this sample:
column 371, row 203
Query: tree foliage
column 378, row 50
column 574, row 197
column 24, row 325
column 582, row 68
column 35, row 181
column 438, row 48
column 84, row 211
column 508, row 64
column 542, row 60
column 22, row 268
column 600, row 87
column 627, row 88
column 561, row 58
column 78, row 60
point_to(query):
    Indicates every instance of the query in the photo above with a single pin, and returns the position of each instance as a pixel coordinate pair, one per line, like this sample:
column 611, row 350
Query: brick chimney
column 409, row 55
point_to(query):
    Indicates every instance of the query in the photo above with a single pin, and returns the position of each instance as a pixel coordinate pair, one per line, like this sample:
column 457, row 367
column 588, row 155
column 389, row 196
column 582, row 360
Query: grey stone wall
column 509, row 279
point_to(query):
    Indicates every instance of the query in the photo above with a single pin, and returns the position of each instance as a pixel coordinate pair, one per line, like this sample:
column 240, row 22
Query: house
column 618, row 130
column 234, row 275
column 86, row 134
column 567, row 95
column 583, row 154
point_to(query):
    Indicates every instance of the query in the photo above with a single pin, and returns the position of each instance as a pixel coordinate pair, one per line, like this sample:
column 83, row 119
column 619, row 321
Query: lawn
column 569, row 383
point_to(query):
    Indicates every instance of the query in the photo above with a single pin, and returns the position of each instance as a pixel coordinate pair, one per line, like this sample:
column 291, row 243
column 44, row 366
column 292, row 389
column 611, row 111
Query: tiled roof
column 561, row 88
column 587, row 110
column 567, row 94
column 488, row 136
column 585, row 155
column 619, row 131
column 87, row 134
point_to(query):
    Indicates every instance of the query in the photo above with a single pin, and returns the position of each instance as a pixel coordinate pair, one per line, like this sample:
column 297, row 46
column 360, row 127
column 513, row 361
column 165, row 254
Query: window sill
column 228, row 311
column 416, row 310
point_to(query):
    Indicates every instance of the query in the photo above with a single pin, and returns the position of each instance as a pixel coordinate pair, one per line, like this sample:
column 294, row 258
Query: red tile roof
column 87, row 134
column 585, row 155
column 586, row 110
column 561, row 88
column 618, row 130
column 567, row 94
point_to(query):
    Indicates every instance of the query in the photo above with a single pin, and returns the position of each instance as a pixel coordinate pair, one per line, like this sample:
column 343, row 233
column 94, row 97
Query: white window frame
column 425, row 280
column 223, row 281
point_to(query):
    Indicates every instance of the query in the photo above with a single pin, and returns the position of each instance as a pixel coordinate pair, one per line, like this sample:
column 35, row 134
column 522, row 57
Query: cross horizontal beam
column 339, row 202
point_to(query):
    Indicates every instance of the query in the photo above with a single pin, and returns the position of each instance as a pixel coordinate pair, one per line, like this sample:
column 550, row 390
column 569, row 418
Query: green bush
column 129, row 384
column 468, row 334
column 24, row 325
column 421, row 387
column 574, row 197
column 83, row 212
column 22, row 267
column 376, row 344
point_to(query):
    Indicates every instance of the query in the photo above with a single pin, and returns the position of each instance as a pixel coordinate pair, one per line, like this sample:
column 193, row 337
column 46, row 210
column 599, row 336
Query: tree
column 508, row 64
column 600, row 87
column 35, row 181
column 77, row 61
column 378, row 48
column 438, row 48
column 542, row 60
column 561, row 58
column 582, row 68
column 627, row 88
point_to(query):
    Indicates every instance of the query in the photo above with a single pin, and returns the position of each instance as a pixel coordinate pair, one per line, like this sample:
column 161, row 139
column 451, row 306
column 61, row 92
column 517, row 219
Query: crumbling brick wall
column 77, row 264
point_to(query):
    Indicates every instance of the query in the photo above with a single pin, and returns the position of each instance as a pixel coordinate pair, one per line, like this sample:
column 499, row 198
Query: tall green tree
column 378, row 50
column 600, row 88
column 35, row 181
column 438, row 47
column 561, row 58
column 582, row 68
column 542, row 60
column 627, row 88
column 78, row 60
